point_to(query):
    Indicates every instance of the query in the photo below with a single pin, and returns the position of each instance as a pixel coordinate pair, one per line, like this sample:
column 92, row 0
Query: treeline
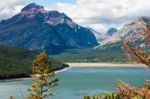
column 17, row 62
column 104, row 96
column 102, row 54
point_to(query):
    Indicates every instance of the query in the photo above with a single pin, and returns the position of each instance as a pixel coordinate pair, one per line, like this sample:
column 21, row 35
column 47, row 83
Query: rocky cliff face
column 37, row 29
column 132, row 30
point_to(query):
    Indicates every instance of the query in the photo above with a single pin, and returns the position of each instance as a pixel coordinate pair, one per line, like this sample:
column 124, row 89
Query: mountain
column 38, row 29
column 17, row 62
column 111, row 31
column 111, row 49
column 132, row 30
column 101, row 37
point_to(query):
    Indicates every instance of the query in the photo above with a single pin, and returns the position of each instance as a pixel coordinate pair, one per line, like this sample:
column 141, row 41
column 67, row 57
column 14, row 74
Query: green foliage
column 104, row 96
column 41, row 71
column 112, row 96
column 86, row 97
column 102, row 54
column 17, row 62
column 11, row 97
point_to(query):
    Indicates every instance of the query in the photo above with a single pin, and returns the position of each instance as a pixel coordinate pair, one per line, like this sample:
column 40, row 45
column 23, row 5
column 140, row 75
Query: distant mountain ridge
column 101, row 37
column 110, row 50
column 111, row 31
column 132, row 29
column 37, row 29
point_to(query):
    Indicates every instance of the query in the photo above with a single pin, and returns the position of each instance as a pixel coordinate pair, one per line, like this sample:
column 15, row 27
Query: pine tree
column 43, row 77
column 11, row 97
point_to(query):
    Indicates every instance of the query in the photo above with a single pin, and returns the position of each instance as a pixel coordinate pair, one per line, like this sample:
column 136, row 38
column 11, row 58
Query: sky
column 97, row 14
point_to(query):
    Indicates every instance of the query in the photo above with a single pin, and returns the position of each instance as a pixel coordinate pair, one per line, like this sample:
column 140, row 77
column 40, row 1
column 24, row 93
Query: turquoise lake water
column 77, row 82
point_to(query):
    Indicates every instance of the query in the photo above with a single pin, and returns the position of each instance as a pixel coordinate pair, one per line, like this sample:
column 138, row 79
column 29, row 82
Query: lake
column 77, row 82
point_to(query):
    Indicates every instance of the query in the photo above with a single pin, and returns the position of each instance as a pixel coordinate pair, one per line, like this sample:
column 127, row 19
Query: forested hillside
column 17, row 62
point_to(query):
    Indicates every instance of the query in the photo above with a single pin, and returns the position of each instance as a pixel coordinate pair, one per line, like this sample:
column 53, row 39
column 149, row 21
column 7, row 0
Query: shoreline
column 16, row 79
column 87, row 65
column 29, row 78
column 82, row 65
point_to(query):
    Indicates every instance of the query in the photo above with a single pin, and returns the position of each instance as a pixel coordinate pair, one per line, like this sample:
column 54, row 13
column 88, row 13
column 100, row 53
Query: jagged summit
column 37, row 29
column 36, row 13
column 144, row 18
column 32, row 6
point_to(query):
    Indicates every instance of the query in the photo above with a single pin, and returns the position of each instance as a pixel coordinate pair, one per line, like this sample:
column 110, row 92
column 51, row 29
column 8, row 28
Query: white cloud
column 9, row 8
column 101, row 14
column 98, row 14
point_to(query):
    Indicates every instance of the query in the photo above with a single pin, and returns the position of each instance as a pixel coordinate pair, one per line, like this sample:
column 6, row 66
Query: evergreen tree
column 43, row 77
column 11, row 97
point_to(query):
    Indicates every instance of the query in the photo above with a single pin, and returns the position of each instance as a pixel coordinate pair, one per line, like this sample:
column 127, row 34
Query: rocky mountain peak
column 37, row 14
column 133, row 30
column 55, row 18
column 37, row 29
column 32, row 7
column 32, row 12
column 145, row 19
column 111, row 31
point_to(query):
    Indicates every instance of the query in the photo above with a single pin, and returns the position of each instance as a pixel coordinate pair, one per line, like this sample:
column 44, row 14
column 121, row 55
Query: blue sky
column 49, row 2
